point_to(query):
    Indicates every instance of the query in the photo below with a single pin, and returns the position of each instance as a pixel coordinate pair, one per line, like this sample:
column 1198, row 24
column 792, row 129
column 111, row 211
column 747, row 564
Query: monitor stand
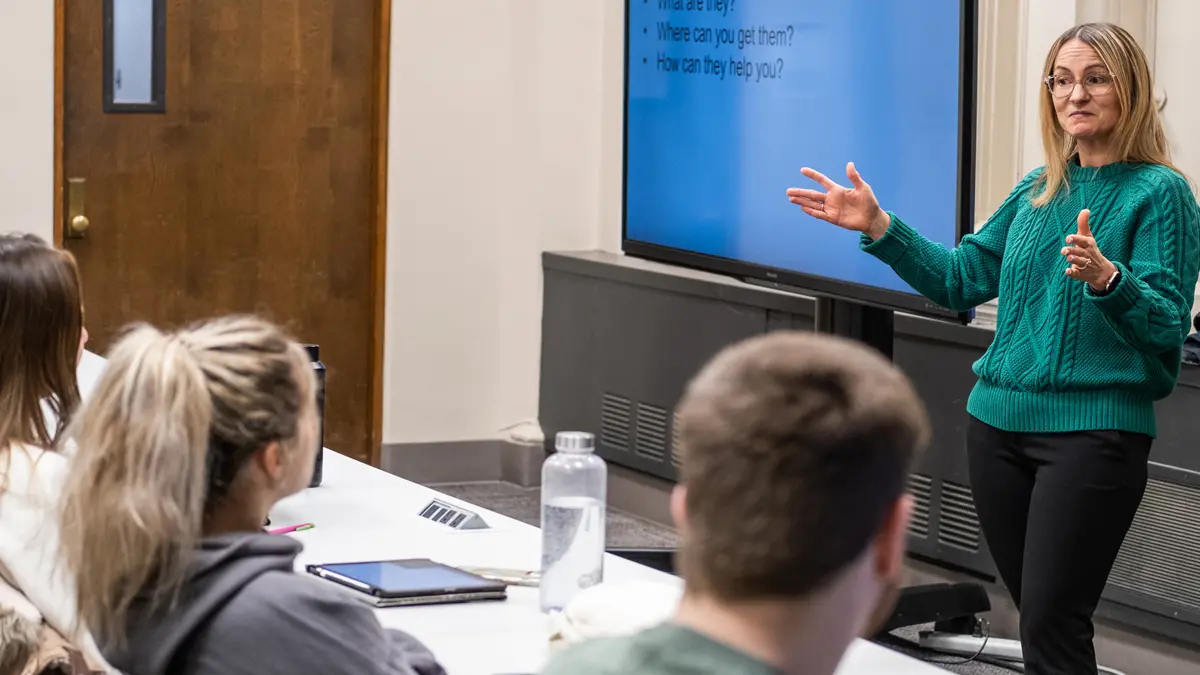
column 873, row 326
column 952, row 609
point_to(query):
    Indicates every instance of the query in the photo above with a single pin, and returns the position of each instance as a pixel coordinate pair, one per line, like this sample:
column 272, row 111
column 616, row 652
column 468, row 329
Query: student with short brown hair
column 792, row 509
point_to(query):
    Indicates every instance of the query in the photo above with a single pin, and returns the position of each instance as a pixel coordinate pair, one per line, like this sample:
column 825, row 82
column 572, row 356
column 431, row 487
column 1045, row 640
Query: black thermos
column 314, row 354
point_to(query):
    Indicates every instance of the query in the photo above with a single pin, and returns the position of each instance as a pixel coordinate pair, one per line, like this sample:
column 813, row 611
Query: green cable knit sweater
column 1065, row 359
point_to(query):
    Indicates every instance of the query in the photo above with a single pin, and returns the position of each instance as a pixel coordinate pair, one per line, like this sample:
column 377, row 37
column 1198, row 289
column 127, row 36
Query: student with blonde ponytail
column 188, row 440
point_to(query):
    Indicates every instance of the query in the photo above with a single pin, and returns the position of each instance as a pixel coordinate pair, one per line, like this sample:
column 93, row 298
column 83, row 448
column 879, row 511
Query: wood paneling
column 259, row 190
column 383, row 44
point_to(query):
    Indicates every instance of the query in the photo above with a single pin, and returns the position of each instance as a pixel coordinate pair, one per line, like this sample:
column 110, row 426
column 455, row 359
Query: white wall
column 1015, row 36
column 1042, row 22
column 27, row 116
column 1175, row 64
column 1176, row 52
column 500, row 130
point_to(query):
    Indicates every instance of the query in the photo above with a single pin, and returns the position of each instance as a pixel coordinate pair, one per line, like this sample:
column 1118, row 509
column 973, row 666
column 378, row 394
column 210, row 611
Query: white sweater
column 29, row 538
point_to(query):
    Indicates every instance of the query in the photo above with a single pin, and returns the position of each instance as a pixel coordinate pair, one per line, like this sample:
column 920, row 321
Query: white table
column 362, row 513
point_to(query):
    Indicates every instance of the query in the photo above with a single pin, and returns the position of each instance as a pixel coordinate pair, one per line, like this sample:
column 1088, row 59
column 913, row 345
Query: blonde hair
column 18, row 642
column 168, row 428
column 1139, row 135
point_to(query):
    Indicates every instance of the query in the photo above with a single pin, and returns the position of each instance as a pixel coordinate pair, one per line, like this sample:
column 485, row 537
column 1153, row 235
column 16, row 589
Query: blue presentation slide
column 728, row 99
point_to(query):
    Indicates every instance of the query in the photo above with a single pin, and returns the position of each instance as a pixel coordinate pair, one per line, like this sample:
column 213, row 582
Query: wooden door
column 258, row 188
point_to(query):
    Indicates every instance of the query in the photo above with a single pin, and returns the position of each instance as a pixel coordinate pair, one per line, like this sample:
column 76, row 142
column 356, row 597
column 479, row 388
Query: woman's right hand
column 852, row 209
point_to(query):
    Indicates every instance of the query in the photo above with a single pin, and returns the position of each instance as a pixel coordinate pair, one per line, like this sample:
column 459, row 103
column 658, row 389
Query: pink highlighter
column 292, row 528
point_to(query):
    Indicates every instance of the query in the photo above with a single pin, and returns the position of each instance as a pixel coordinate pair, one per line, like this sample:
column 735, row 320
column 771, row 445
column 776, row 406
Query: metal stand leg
column 870, row 325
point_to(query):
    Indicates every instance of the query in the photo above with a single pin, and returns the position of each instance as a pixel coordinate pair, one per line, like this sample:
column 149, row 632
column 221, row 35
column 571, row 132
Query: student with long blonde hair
column 41, row 339
column 188, row 440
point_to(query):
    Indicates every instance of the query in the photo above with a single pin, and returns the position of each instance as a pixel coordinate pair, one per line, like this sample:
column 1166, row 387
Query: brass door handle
column 77, row 222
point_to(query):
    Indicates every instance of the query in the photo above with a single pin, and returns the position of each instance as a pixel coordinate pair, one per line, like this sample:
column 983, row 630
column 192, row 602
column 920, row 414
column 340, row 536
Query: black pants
column 1054, row 509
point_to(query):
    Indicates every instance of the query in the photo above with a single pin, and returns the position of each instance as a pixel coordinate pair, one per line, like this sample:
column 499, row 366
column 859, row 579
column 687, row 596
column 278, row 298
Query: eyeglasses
column 1095, row 84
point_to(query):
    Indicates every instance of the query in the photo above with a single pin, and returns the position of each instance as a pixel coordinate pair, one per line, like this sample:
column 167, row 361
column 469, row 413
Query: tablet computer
column 416, row 581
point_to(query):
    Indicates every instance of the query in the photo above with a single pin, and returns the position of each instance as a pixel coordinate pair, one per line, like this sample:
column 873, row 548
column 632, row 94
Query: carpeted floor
column 626, row 530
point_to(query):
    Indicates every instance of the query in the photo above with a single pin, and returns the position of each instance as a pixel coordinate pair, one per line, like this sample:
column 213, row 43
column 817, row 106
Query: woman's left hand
column 1087, row 263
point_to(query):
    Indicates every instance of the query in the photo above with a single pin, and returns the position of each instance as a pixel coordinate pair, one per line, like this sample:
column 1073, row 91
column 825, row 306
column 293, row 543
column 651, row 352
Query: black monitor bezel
column 801, row 282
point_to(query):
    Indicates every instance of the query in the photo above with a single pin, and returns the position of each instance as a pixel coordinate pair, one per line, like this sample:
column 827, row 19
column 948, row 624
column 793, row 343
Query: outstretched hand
column 1087, row 263
column 853, row 209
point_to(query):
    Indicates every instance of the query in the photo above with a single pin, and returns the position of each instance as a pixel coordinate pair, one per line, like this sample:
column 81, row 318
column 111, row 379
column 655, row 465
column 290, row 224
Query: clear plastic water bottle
column 574, row 492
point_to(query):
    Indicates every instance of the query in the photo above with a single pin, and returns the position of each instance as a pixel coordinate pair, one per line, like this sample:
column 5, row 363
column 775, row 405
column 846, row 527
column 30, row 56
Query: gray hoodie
column 245, row 611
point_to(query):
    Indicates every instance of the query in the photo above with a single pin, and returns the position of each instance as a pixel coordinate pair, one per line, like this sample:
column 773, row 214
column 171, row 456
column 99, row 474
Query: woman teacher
column 1094, row 258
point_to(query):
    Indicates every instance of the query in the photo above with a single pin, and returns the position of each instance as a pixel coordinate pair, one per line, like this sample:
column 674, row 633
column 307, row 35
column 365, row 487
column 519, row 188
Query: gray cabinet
column 621, row 337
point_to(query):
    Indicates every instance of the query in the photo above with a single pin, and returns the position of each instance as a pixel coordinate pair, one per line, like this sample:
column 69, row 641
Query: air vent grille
column 676, row 456
column 1161, row 554
column 921, row 488
column 615, row 412
column 958, row 524
column 651, row 432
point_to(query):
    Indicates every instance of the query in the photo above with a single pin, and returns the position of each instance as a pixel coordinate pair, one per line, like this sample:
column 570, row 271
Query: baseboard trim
column 464, row 462
column 640, row 494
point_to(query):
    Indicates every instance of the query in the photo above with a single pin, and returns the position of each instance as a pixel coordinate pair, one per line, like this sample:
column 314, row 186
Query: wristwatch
column 1108, row 287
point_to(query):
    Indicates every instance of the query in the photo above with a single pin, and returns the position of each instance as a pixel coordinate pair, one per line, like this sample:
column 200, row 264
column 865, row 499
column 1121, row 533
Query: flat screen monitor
column 725, row 101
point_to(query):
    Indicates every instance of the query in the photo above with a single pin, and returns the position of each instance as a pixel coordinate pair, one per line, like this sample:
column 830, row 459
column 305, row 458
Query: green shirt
column 665, row 650
column 1064, row 358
